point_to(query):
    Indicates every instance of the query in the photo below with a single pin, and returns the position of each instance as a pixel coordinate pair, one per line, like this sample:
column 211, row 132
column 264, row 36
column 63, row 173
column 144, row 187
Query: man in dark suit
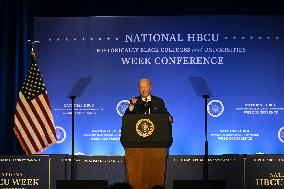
column 142, row 161
column 147, row 103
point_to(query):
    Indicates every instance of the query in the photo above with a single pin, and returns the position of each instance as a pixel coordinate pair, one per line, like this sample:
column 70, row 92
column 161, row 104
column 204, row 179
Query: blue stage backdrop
column 240, row 57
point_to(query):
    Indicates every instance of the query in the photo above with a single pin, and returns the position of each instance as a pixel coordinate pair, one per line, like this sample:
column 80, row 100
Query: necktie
column 147, row 108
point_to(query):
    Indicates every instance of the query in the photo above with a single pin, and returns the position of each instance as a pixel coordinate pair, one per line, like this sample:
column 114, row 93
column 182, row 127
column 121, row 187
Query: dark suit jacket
column 157, row 106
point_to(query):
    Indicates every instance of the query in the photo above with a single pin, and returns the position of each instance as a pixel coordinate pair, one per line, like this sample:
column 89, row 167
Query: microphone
column 147, row 106
column 146, row 103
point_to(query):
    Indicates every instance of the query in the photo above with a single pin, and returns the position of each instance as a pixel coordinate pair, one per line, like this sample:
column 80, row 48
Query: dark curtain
column 16, row 29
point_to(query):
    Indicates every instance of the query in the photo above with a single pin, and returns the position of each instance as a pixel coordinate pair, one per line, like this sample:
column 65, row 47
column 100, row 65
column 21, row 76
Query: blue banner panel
column 240, row 58
column 229, row 168
column 264, row 171
column 25, row 172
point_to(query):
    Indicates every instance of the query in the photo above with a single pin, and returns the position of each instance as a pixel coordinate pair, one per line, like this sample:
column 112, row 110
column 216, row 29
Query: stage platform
column 239, row 171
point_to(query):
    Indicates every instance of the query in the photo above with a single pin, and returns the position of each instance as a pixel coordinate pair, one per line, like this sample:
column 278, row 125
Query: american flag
column 33, row 121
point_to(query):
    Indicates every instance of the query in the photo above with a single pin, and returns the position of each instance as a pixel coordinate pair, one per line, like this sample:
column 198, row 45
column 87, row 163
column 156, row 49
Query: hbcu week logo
column 60, row 134
column 281, row 134
column 215, row 108
column 122, row 106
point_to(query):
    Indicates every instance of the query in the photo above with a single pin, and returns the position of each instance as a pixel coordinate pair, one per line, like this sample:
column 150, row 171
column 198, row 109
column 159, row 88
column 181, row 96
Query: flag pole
column 32, row 44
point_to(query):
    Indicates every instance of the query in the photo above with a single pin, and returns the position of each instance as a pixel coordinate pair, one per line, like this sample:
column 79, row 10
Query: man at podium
column 146, row 166
column 147, row 103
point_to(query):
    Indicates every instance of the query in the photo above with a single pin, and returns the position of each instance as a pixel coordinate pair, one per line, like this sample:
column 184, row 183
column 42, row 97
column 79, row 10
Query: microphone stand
column 73, row 137
column 205, row 159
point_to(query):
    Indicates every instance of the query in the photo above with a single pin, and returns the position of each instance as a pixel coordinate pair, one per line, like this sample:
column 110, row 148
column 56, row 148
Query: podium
column 146, row 139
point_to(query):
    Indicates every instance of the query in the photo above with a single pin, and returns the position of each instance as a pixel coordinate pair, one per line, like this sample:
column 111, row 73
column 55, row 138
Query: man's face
column 144, row 88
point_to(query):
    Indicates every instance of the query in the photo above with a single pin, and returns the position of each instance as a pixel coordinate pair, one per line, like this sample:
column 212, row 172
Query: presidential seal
column 281, row 134
column 60, row 134
column 145, row 127
column 122, row 106
column 215, row 108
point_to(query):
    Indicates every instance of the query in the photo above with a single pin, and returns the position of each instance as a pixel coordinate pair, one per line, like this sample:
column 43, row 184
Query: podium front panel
column 144, row 130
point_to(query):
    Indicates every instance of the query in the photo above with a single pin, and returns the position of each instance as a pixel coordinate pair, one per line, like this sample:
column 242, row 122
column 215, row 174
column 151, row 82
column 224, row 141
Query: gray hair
column 144, row 79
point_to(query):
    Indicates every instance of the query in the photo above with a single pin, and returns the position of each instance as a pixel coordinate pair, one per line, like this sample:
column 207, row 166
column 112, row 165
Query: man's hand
column 133, row 100
column 171, row 119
